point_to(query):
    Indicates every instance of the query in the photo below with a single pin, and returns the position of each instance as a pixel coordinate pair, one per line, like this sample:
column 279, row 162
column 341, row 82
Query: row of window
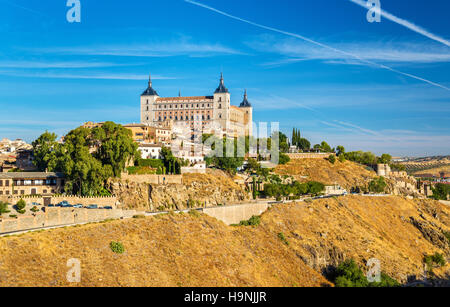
column 22, row 192
column 160, row 118
column 34, row 182
column 6, row 183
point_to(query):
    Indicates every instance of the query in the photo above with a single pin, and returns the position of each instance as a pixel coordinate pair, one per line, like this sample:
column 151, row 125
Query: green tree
column 332, row 159
column 340, row 150
column 377, row 185
column 44, row 151
column 304, row 144
column 324, row 147
column 115, row 146
column 283, row 158
column 441, row 191
column 3, row 208
column 385, row 159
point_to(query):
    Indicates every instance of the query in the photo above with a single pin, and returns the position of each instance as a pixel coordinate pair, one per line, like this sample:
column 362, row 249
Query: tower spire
column 149, row 80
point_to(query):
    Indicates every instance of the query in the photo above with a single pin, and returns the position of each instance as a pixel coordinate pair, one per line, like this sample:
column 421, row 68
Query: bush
column 253, row 221
column 194, row 213
column 447, row 235
column 283, row 159
column 13, row 216
column 117, row 247
column 34, row 209
column 332, row 159
column 349, row 274
column 153, row 163
column 342, row 158
column 377, row 185
column 283, row 238
column 21, row 211
column 139, row 216
column 434, row 260
column 3, row 208
column 21, row 204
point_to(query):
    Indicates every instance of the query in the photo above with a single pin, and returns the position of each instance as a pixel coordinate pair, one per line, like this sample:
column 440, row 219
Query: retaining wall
column 236, row 213
column 307, row 155
column 61, row 216
column 154, row 179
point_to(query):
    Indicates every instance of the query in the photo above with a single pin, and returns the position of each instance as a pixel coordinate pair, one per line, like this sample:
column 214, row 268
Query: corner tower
column 222, row 98
column 148, row 103
column 248, row 115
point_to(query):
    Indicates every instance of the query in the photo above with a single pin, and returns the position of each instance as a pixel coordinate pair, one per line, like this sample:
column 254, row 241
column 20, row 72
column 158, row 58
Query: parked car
column 51, row 205
column 78, row 206
column 66, row 206
column 92, row 207
column 35, row 204
column 108, row 207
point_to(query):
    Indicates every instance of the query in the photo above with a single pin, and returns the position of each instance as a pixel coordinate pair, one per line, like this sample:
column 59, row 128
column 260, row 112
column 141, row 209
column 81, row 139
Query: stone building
column 32, row 183
column 205, row 113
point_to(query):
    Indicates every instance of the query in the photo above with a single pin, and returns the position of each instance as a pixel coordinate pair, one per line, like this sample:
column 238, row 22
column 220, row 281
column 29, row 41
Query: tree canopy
column 88, row 157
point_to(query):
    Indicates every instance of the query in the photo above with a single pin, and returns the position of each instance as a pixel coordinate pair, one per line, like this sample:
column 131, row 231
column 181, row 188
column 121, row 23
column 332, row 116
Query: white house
column 150, row 151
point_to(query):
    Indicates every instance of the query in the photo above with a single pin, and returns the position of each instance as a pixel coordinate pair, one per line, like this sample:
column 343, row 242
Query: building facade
column 32, row 183
column 205, row 113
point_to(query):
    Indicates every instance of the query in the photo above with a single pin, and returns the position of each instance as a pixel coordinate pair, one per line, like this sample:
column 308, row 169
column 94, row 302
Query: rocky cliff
column 197, row 190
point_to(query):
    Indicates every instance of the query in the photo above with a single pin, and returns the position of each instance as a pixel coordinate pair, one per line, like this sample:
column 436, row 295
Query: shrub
column 332, row 159
column 34, row 209
column 13, row 216
column 253, row 221
column 117, row 247
column 434, row 260
column 283, row 159
column 3, row 208
column 283, row 238
column 139, row 216
column 447, row 235
column 377, row 185
column 21, row 204
column 342, row 158
column 194, row 213
column 349, row 274
column 21, row 211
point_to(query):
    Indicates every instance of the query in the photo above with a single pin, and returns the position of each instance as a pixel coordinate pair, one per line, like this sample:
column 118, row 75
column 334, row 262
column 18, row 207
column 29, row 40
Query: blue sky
column 381, row 87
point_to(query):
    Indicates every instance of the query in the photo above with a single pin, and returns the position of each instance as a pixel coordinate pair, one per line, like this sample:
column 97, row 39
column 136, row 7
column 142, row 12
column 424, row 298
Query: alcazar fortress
column 206, row 113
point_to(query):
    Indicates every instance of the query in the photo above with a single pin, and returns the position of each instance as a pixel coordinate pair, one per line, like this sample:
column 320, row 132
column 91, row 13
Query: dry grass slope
column 177, row 250
column 184, row 250
column 347, row 174
column 326, row 232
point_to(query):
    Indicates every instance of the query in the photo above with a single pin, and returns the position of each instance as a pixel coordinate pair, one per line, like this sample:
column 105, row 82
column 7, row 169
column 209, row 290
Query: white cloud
column 103, row 76
column 406, row 24
column 387, row 52
column 56, row 64
column 337, row 50
column 156, row 49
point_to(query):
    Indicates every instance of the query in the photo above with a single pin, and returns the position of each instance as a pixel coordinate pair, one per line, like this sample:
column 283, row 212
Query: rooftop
column 31, row 175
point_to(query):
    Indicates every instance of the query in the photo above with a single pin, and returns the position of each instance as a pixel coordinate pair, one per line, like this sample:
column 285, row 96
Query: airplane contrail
column 406, row 24
column 315, row 43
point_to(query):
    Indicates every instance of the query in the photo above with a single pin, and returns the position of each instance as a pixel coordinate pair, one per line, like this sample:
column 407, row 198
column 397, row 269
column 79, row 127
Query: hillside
column 198, row 189
column 347, row 174
column 434, row 171
column 179, row 250
column 186, row 250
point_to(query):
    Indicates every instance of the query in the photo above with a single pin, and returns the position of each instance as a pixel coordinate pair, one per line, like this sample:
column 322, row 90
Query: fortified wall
column 153, row 179
column 60, row 217
column 73, row 200
column 310, row 155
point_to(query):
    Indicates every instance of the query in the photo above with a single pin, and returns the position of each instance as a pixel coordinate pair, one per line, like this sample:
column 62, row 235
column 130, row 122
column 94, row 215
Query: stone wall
column 309, row 155
column 60, row 217
column 73, row 200
column 154, row 179
column 237, row 213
